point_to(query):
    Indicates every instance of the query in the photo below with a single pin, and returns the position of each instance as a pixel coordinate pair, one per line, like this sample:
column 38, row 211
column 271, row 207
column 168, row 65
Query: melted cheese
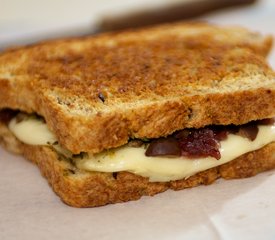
column 157, row 169
column 32, row 131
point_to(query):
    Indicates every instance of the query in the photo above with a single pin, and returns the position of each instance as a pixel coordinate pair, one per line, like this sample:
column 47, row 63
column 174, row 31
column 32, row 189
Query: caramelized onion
column 163, row 147
column 203, row 142
column 220, row 132
column 200, row 143
column 267, row 121
column 249, row 131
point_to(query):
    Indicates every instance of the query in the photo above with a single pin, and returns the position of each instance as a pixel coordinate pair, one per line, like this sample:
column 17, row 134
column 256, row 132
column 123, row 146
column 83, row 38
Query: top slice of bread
column 97, row 92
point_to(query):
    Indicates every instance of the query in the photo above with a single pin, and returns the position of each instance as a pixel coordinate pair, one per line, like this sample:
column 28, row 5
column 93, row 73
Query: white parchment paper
column 236, row 209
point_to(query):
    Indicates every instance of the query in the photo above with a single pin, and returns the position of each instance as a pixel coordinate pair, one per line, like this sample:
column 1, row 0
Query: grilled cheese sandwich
column 114, row 117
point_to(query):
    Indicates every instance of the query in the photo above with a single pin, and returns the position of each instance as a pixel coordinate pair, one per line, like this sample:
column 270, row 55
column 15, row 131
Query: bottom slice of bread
column 90, row 189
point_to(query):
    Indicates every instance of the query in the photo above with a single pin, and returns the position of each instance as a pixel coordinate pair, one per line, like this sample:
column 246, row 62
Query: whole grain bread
column 80, row 188
column 97, row 92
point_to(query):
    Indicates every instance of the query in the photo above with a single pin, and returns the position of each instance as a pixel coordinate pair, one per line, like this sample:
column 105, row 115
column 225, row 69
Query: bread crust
column 97, row 92
column 80, row 188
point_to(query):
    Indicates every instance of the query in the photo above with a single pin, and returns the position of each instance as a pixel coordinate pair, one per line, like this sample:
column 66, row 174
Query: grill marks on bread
column 141, row 69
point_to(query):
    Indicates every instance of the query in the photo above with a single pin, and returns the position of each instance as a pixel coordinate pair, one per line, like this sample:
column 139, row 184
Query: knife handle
column 179, row 11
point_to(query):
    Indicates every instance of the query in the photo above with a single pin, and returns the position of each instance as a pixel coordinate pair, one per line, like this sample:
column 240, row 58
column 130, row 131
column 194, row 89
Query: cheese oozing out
column 132, row 159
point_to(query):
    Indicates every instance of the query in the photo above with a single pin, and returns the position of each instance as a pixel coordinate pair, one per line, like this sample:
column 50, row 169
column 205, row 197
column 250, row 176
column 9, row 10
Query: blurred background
column 28, row 21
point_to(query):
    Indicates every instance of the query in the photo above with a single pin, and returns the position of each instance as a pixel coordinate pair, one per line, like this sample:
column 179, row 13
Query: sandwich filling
column 147, row 157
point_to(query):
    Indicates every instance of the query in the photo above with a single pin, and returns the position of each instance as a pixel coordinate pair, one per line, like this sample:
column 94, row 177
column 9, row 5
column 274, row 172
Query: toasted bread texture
column 97, row 92
column 80, row 188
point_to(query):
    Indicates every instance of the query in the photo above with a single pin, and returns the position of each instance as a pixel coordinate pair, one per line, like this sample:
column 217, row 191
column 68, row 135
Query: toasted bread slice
column 80, row 188
column 97, row 92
